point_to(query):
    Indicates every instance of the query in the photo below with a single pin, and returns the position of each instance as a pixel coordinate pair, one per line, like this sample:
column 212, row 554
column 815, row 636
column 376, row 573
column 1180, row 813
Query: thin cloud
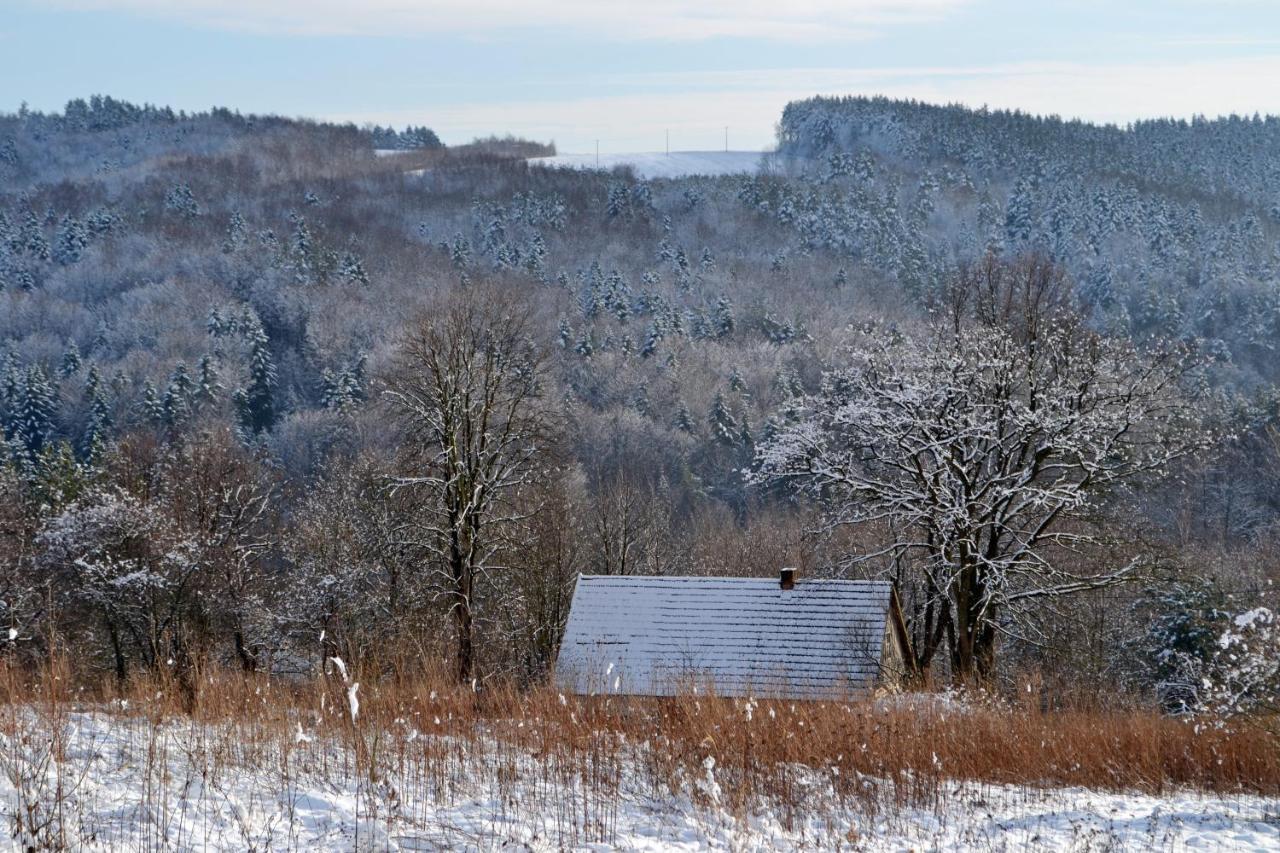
column 619, row 20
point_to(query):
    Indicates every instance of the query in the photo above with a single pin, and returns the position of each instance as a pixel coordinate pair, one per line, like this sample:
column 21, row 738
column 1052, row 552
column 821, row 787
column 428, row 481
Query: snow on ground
column 128, row 784
column 677, row 164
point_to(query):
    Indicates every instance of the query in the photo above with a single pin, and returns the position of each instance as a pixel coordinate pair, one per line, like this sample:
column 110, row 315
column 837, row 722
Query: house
column 661, row 636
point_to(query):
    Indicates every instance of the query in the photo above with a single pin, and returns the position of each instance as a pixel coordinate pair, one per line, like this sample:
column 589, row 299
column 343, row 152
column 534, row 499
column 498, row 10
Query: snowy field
column 127, row 784
column 677, row 164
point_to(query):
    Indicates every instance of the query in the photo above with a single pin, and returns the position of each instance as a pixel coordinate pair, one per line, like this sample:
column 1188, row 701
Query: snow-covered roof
column 738, row 636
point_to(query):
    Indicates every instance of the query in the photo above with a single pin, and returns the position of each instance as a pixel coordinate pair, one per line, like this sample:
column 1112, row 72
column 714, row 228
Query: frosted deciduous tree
column 468, row 390
column 1244, row 675
column 982, row 443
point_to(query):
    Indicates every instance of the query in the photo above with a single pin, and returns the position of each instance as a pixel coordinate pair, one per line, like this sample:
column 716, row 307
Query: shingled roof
column 659, row 636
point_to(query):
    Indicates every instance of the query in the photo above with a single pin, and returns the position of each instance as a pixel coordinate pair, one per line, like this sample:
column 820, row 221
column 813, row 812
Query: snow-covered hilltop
column 657, row 164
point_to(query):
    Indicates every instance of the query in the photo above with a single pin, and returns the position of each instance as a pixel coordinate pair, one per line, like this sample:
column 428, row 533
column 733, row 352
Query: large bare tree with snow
column 982, row 443
column 468, row 389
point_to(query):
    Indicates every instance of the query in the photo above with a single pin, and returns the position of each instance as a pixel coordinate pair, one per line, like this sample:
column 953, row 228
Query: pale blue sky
column 625, row 72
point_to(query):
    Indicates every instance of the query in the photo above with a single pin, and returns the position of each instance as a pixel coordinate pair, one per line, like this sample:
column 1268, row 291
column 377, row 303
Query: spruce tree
column 723, row 318
column 237, row 233
column 684, row 419
column 31, row 239
column 351, row 268
column 724, row 427
column 70, row 241
column 180, row 200
column 38, row 409
column 207, row 385
column 152, row 408
column 100, row 417
column 71, row 361
column 254, row 402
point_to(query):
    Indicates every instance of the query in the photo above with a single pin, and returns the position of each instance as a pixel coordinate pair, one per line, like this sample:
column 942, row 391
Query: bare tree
column 467, row 388
column 631, row 527
column 982, row 445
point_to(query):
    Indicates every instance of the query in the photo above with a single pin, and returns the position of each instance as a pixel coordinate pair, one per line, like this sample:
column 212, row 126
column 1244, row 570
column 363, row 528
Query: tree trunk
column 248, row 660
column 973, row 656
column 462, row 619
column 122, row 670
column 462, row 612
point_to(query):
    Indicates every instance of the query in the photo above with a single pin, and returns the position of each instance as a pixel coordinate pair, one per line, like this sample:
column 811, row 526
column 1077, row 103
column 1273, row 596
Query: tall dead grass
column 419, row 741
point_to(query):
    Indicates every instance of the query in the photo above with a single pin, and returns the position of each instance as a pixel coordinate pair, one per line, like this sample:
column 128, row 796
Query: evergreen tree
column 1019, row 219
column 651, row 339
column 100, row 417
column 31, row 239
column 352, row 269
column 724, row 427
column 70, row 241
column 71, row 361
column 182, row 201
column 460, row 252
column 152, row 408
column 301, row 248
column 37, row 410
column 707, row 262
column 207, row 385
column 618, row 202
column 723, row 317
column 237, row 233
column 254, row 402
column 684, row 419
column 177, row 397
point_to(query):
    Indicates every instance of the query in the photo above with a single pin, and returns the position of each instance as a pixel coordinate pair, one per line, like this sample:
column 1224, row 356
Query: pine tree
column 723, row 318
column 100, row 417
column 651, row 339
column 707, row 262
column 180, row 200
column 342, row 390
column 70, row 241
column 684, row 419
column 301, row 248
column 57, row 477
column 237, row 233
column 618, row 202
column 724, row 427
column 207, row 385
column 254, row 402
column 535, row 256
column 102, row 220
column 31, row 239
column 641, row 196
column 640, row 401
column 39, row 406
column 352, row 269
column 71, row 361
column 152, row 408
column 1019, row 221
column 460, row 252
column 177, row 397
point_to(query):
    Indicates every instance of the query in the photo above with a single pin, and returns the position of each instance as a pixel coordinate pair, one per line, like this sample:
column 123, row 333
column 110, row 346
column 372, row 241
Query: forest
column 272, row 394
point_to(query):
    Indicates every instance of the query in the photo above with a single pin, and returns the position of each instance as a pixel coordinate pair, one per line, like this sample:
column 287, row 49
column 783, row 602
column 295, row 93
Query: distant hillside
column 143, row 249
column 1170, row 227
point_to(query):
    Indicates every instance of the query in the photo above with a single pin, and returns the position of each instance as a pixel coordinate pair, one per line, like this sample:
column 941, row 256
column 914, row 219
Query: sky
column 629, row 75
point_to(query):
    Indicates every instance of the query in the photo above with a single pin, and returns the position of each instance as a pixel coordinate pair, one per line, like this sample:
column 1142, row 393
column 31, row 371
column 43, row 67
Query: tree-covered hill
column 165, row 277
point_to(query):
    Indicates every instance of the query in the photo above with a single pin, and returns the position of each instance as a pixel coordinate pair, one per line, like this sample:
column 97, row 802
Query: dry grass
column 422, row 740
